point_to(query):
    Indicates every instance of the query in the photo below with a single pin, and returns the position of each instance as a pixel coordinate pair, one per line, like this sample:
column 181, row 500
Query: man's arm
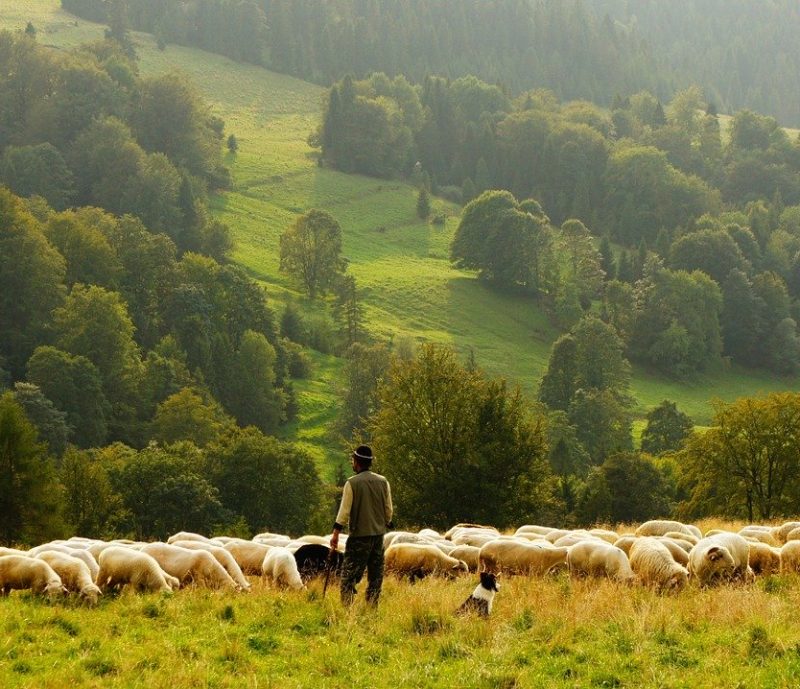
column 388, row 506
column 343, row 516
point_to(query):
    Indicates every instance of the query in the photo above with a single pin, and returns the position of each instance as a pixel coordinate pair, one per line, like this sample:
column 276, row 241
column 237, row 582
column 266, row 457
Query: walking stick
column 328, row 570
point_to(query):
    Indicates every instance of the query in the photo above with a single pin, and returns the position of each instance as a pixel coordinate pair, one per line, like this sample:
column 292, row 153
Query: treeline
column 577, row 49
column 81, row 128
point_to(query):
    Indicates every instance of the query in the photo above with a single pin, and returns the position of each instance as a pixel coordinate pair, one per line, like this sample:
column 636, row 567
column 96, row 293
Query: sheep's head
column 55, row 588
column 90, row 593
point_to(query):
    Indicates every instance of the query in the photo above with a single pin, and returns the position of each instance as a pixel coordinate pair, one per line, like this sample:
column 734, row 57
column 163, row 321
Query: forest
column 138, row 357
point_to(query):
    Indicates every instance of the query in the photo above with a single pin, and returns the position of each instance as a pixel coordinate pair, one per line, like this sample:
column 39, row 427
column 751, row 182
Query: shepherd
column 367, row 508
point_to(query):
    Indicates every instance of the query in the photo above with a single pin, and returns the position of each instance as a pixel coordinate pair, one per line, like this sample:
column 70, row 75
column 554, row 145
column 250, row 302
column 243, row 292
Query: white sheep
column 418, row 560
column 223, row 557
column 764, row 558
column 476, row 536
column 760, row 534
column 468, row 554
column 790, row 557
column 597, row 558
column 522, row 557
column 660, row 527
column 723, row 556
column 653, row 563
column 190, row 536
column 196, row 566
column 75, row 574
column 781, row 532
column 82, row 554
column 22, row 572
column 280, row 567
column 533, row 529
column 249, row 555
column 625, row 542
column 120, row 566
column 678, row 552
column 605, row 534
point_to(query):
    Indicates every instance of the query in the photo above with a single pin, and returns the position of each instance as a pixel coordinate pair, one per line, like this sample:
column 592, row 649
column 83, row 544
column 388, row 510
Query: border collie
column 482, row 597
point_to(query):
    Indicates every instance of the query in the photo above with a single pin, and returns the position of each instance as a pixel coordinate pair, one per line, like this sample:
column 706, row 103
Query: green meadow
column 406, row 282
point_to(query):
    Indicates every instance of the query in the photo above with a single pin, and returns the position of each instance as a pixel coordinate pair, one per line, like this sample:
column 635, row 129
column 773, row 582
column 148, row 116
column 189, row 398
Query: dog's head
column 489, row 581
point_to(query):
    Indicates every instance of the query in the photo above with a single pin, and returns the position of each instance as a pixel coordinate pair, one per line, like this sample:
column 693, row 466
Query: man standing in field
column 367, row 507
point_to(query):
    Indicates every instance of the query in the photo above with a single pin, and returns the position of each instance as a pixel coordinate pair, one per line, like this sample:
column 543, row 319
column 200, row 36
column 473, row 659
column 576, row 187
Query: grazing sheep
column 574, row 538
column 13, row 551
column 280, row 567
column 723, row 556
column 430, row 533
column 660, row 527
column 468, row 554
column 625, row 542
column 599, row 559
column 83, row 555
column 605, row 534
column 533, row 529
column 782, row 532
column 313, row 538
column 555, row 534
column 271, row 539
column 682, row 542
column 416, row 561
column 190, row 566
column 22, row 572
column 120, row 566
column 764, row 558
column 249, row 555
column 188, row 536
column 75, row 574
column 409, row 537
column 678, row 552
column 223, row 557
column 453, row 530
column 790, row 557
column 762, row 535
column 691, row 539
column 653, row 563
column 475, row 537
column 519, row 557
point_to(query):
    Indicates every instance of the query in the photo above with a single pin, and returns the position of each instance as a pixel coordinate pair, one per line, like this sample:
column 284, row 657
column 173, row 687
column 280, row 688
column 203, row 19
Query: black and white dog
column 482, row 597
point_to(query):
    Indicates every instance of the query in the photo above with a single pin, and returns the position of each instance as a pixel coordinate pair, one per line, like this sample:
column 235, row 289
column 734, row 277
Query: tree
column 273, row 485
column 91, row 507
column 745, row 465
column 638, row 489
column 348, row 311
column 38, row 170
column 29, row 495
column 50, row 422
column 233, row 144
column 311, row 251
column 603, row 422
column 667, row 427
column 74, row 385
column 423, row 203
column 713, row 252
column 31, row 282
column 457, row 446
column 165, row 490
column 189, row 415
column 364, row 369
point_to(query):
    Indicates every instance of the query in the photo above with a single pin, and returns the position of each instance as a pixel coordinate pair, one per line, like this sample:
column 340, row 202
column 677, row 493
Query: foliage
column 29, row 496
column 311, row 251
column 456, row 446
column 49, row 421
column 185, row 415
column 746, row 463
column 667, row 428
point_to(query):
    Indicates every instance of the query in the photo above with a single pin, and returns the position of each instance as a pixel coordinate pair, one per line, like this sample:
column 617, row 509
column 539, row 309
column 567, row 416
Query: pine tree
column 423, row 203
column 607, row 262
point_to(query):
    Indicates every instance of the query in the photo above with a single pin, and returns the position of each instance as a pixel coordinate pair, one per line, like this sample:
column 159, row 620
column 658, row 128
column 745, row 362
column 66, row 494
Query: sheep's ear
column 714, row 553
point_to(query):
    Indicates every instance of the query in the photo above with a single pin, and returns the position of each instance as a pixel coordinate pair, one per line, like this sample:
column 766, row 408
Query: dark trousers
column 362, row 552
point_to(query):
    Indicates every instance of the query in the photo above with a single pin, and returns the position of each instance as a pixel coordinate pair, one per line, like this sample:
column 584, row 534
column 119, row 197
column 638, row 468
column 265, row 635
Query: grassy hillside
column 406, row 281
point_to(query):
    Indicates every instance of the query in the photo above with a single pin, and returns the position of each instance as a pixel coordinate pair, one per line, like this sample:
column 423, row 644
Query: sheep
column 75, row 574
column 22, row 572
column 518, row 557
column 659, row 527
column 223, row 557
column 419, row 560
column 453, row 530
column 476, row 537
column 605, row 534
column 679, row 554
column 13, row 551
column 120, row 566
column 267, row 538
column 533, row 529
column 781, row 532
column 468, row 554
column 762, row 535
column 430, row 533
column 790, row 557
column 764, row 558
column 249, row 555
column 317, row 540
column 625, row 542
column 280, row 567
column 793, row 535
column 83, row 555
column 186, row 565
column 723, row 556
column 598, row 558
column 554, row 534
column 653, row 563
column 575, row 538
column 691, row 539
column 682, row 542
column 188, row 536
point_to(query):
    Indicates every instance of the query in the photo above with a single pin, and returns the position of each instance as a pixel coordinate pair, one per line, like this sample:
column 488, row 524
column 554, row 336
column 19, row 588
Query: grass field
column 406, row 282
column 548, row 632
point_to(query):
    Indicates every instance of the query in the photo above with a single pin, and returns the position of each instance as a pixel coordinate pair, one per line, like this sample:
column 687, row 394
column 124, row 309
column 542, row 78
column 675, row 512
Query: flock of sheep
column 662, row 554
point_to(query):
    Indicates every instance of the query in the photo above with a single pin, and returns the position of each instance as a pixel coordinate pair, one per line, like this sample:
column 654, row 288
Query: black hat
column 363, row 455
